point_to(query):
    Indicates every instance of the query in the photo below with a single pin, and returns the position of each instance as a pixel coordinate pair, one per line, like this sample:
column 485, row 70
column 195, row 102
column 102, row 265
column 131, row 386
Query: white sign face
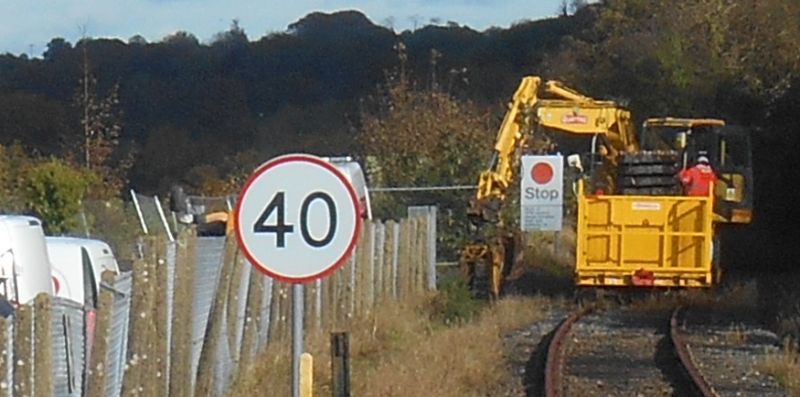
column 542, row 193
column 646, row 206
column 297, row 219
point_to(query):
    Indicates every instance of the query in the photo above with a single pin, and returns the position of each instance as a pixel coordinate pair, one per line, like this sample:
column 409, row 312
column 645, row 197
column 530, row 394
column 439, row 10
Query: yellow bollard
column 306, row 375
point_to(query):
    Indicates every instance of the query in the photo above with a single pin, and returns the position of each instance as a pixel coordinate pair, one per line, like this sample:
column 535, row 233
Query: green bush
column 454, row 303
column 53, row 191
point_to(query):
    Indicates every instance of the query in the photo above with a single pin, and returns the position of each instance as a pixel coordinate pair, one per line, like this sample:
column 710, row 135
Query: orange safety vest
column 697, row 179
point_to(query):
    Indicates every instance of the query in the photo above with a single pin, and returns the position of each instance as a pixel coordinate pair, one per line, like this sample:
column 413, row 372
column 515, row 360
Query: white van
column 355, row 175
column 78, row 264
column 24, row 265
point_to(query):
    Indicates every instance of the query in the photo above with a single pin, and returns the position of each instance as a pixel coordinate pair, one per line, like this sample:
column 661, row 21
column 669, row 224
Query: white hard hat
column 702, row 159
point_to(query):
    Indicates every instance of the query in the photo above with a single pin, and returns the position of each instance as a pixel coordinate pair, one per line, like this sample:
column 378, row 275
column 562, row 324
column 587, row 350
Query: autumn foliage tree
column 689, row 58
column 423, row 137
column 101, row 122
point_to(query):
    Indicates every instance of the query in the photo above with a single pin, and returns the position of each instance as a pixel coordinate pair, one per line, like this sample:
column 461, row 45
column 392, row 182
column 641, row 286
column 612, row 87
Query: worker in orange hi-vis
column 697, row 180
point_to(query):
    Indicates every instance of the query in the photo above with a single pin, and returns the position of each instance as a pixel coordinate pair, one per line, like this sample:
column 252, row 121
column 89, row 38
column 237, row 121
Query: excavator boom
column 485, row 261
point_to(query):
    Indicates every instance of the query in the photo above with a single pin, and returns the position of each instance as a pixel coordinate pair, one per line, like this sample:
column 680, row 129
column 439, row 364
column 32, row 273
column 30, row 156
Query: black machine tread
column 479, row 284
column 649, row 157
column 647, row 181
column 649, row 169
column 649, row 173
column 652, row 191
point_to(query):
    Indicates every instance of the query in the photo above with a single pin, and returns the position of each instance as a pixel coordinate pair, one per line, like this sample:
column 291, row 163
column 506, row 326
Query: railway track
column 622, row 353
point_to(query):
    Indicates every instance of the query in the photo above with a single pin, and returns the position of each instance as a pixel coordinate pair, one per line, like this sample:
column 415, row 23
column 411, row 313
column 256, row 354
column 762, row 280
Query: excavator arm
column 571, row 113
column 485, row 261
column 493, row 183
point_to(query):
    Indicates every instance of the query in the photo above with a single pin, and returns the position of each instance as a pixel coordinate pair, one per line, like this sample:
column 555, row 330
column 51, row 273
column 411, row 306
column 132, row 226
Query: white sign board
column 297, row 218
column 542, row 193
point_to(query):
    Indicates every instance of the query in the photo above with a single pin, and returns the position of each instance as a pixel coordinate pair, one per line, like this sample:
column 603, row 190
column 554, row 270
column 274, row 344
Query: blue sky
column 26, row 26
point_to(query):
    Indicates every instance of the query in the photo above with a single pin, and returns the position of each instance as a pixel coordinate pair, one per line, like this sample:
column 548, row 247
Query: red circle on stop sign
column 542, row 173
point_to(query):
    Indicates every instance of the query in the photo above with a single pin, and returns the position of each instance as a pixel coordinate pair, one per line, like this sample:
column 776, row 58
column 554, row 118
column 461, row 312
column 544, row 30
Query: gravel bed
column 620, row 353
column 526, row 349
column 727, row 348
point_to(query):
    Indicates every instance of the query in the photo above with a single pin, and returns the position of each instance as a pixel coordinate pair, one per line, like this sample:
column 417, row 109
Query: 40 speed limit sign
column 297, row 218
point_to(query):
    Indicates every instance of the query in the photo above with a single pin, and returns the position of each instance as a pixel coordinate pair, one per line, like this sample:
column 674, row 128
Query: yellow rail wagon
column 661, row 241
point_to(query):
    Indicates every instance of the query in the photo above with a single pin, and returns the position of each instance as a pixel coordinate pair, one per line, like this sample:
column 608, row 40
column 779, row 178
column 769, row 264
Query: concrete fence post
column 160, row 306
column 141, row 337
column 43, row 346
column 180, row 384
column 96, row 368
column 351, row 283
column 327, row 301
column 388, row 248
column 252, row 314
column 23, row 347
column 274, row 312
column 395, row 260
column 235, row 298
column 380, row 250
column 422, row 260
column 228, row 281
column 419, row 262
column 431, row 247
column 404, row 264
column 339, row 293
column 318, row 305
column 266, row 309
column 369, row 269
column 7, row 360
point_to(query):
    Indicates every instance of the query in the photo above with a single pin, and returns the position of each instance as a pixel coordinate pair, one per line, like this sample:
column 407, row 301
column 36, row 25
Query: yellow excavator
column 621, row 166
column 216, row 222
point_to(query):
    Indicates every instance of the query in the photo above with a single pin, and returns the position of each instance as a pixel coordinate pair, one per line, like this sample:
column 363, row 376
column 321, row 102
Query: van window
column 89, row 283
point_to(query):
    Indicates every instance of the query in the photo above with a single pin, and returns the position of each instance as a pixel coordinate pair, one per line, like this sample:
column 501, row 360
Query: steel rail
column 556, row 356
column 701, row 385
column 554, row 365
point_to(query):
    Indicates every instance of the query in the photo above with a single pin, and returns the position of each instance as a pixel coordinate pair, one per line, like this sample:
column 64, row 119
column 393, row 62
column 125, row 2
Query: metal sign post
column 297, row 221
column 297, row 336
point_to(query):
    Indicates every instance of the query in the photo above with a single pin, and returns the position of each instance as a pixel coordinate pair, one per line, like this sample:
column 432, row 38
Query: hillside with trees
column 148, row 114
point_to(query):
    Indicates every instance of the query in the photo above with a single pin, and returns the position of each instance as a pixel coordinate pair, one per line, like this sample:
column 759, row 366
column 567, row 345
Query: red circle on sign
column 542, row 173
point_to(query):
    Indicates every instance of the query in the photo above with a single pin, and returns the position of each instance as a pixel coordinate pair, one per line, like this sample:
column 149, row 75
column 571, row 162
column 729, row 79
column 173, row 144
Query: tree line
column 205, row 114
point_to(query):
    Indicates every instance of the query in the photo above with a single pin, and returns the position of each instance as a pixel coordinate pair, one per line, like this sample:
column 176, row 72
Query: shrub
column 454, row 303
column 53, row 191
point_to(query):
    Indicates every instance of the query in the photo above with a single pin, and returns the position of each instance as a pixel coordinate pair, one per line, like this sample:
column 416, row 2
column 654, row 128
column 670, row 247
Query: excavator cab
column 730, row 155
column 728, row 150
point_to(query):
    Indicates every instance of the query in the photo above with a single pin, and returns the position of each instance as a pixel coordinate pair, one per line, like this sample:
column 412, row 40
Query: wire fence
column 192, row 312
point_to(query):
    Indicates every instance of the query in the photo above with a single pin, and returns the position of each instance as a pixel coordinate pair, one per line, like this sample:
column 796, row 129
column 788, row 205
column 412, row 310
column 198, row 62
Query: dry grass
column 785, row 367
column 401, row 351
column 553, row 251
column 736, row 335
